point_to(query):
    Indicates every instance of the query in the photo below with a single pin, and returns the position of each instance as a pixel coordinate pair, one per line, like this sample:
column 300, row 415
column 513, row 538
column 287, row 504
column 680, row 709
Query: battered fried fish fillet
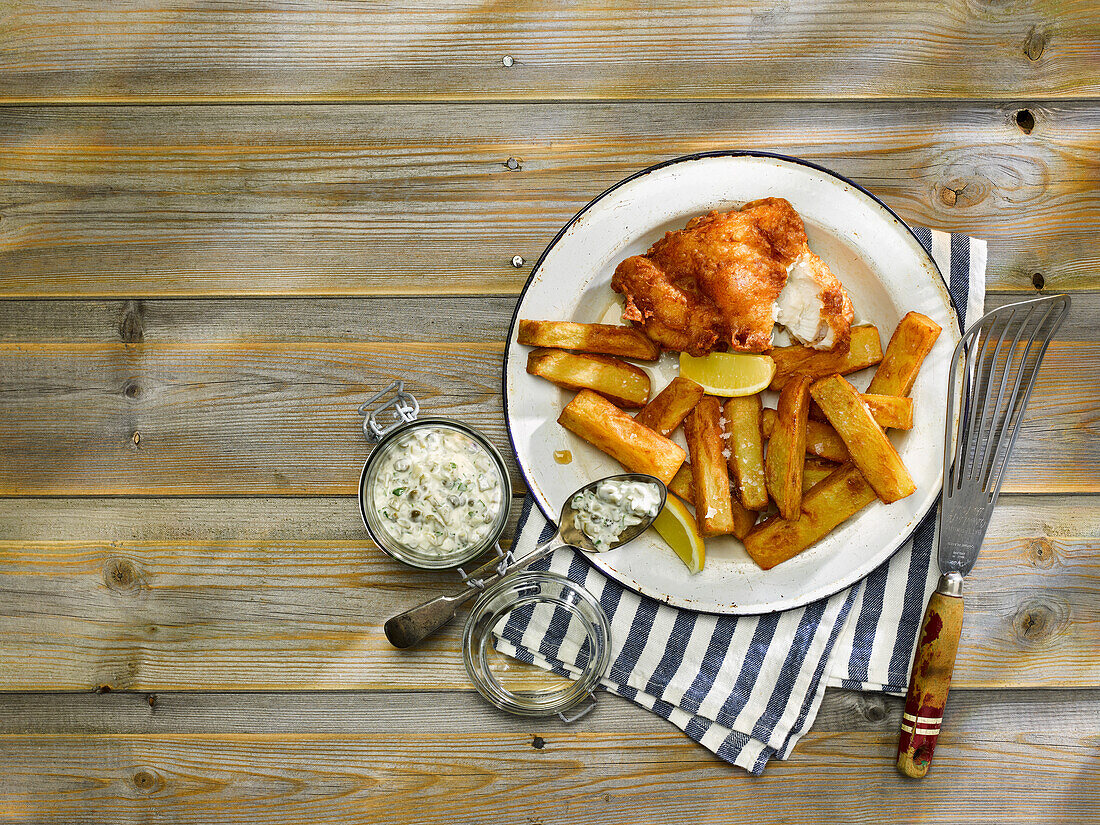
column 715, row 283
column 676, row 316
column 814, row 306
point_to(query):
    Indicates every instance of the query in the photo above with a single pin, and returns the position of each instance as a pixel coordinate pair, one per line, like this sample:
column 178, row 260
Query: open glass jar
column 434, row 493
column 572, row 658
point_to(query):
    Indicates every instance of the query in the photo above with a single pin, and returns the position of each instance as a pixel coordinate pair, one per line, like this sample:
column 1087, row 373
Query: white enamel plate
column 887, row 274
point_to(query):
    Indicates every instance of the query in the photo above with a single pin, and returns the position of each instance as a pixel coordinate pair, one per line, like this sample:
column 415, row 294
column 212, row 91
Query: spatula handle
column 932, row 666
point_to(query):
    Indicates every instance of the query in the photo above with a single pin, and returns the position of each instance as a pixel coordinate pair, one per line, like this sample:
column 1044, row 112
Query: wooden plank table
column 222, row 225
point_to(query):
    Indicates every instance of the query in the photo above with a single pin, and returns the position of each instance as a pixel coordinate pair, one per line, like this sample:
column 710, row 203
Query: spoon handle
column 418, row 623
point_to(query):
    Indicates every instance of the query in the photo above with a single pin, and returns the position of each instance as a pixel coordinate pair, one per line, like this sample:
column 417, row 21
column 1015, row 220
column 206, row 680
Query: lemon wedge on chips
column 676, row 525
column 729, row 373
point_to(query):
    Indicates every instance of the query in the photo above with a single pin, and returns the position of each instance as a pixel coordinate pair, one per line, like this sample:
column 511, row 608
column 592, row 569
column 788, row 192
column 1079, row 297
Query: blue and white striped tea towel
column 748, row 687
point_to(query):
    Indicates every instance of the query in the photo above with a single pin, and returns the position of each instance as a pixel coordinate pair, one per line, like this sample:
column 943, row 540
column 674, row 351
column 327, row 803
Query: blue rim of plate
column 719, row 153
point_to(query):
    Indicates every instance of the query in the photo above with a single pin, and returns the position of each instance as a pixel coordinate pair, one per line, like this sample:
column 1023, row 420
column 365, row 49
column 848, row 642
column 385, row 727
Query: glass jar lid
column 435, row 493
column 574, row 656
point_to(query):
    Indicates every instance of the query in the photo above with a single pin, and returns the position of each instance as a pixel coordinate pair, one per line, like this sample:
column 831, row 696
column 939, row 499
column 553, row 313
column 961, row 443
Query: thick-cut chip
column 746, row 447
column 839, row 497
column 671, row 405
column 787, row 448
column 908, row 347
column 605, row 339
column 888, row 410
column 713, row 502
column 814, row 471
column 865, row 350
column 683, row 486
column 821, row 439
column 682, row 483
column 868, row 445
column 824, row 442
column 606, row 427
column 743, row 519
column 619, row 382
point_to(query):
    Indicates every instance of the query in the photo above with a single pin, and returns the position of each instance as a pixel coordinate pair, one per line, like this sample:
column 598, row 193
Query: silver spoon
column 418, row 623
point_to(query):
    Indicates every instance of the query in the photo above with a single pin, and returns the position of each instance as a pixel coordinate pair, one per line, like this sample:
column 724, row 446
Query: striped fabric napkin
column 748, row 687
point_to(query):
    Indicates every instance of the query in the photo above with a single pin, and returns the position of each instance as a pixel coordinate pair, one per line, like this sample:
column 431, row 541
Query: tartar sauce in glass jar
column 607, row 512
column 437, row 492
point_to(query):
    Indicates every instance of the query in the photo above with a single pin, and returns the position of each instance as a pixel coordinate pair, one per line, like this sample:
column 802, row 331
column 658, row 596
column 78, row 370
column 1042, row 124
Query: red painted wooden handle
column 929, row 683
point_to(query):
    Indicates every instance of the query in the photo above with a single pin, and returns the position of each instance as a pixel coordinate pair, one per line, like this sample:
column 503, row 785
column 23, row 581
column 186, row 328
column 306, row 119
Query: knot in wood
column 121, row 576
column 963, row 192
column 1036, row 622
column 512, row 163
column 872, row 707
column 131, row 328
column 1041, row 552
column 1036, row 40
column 1025, row 120
column 507, row 61
column 538, row 743
column 148, row 781
column 131, row 389
column 1038, row 281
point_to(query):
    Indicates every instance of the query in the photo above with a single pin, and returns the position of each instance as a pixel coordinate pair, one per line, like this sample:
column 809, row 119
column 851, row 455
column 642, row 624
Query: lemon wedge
column 729, row 373
column 676, row 525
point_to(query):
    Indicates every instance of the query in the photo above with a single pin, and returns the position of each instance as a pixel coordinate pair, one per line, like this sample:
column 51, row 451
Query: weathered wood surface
column 249, row 321
column 195, row 713
column 1004, row 757
column 233, row 264
column 258, row 320
column 223, row 418
column 423, row 199
column 315, row 50
column 228, row 418
column 243, row 594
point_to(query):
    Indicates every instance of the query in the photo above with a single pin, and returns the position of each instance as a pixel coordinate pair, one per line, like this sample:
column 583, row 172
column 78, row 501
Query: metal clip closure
column 579, row 710
column 387, row 417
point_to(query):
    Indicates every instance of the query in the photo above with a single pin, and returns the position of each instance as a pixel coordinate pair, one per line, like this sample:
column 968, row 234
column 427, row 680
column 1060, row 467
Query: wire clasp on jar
column 397, row 411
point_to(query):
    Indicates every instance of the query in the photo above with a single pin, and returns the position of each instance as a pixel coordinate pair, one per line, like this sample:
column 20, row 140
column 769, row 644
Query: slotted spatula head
column 996, row 361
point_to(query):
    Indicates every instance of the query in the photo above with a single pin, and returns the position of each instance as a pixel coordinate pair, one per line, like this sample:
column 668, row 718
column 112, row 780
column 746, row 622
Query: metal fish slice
column 996, row 361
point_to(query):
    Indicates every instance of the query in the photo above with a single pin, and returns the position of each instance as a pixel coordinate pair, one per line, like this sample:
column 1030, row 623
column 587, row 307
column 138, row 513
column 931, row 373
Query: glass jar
column 495, row 625
column 429, row 559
